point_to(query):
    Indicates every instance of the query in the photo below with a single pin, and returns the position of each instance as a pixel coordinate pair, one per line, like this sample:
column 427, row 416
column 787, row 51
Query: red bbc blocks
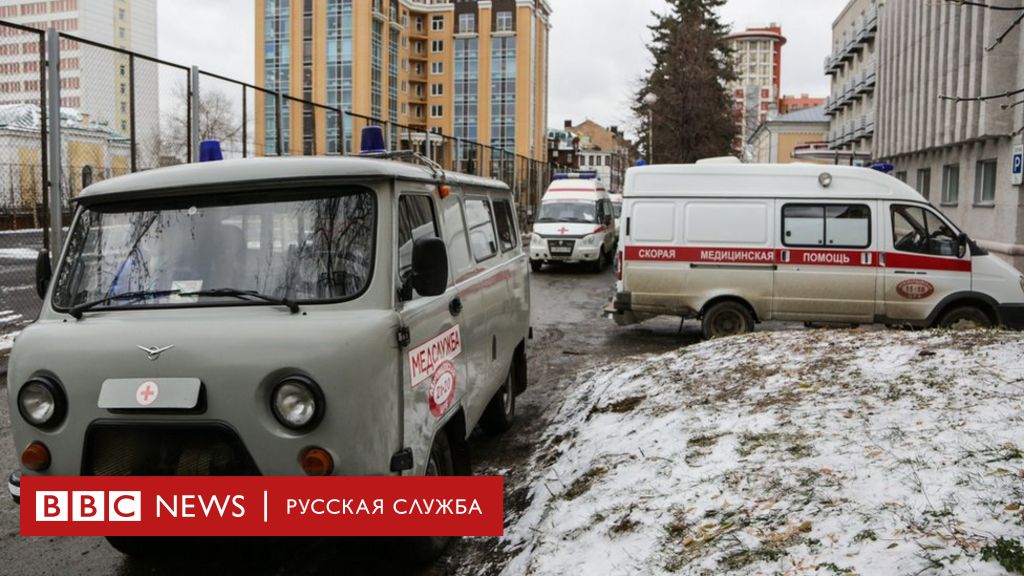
column 262, row 506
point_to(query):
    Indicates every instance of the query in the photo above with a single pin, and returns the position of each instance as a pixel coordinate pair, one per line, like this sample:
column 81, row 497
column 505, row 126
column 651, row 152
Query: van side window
column 415, row 220
column 826, row 225
column 481, row 229
column 918, row 230
column 506, row 225
column 455, row 236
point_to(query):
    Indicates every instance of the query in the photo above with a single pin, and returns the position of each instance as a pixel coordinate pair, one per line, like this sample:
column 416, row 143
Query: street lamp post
column 650, row 100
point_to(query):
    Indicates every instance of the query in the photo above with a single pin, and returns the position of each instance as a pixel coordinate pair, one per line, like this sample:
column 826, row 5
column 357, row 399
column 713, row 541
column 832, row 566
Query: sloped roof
column 810, row 115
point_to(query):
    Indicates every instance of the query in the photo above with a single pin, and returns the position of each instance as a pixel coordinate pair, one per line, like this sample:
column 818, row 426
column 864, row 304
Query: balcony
column 861, row 35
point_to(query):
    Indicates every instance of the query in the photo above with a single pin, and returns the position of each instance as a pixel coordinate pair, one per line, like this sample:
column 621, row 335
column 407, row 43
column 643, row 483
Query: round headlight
column 41, row 403
column 297, row 403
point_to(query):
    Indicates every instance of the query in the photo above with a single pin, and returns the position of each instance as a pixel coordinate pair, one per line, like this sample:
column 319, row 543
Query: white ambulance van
column 733, row 245
column 576, row 224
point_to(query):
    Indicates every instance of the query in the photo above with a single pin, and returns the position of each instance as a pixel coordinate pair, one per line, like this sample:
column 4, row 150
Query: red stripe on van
column 703, row 255
column 923, row 262
column 854, row 258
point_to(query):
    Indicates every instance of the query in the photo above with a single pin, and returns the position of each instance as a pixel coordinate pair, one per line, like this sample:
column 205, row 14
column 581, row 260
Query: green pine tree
column 693, row 113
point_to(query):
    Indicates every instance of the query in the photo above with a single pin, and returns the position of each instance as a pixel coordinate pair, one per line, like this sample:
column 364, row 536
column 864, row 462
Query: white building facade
column 958, row 154
column 94, row 81
column 853, row 69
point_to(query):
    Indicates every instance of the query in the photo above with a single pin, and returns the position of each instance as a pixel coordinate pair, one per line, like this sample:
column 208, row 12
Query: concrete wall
column 928, row 50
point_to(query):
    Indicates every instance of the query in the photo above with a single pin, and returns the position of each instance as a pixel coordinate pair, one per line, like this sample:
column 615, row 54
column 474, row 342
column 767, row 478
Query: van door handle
column 455, row 306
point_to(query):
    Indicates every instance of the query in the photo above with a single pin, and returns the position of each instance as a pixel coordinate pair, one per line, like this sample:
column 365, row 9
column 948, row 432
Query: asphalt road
column 19, row 304
column 570, row 336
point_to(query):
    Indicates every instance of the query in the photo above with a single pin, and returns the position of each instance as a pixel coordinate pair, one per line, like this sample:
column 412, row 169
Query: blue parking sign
column 1018, row 164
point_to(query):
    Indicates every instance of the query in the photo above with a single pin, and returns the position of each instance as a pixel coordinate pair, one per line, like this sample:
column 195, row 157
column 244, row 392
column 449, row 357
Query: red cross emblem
column 146, row 393
column 563, row 230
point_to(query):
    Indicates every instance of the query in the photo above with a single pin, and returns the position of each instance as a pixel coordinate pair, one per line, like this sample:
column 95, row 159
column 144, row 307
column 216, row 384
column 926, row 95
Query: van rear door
column 922, row 263
column 827, row 267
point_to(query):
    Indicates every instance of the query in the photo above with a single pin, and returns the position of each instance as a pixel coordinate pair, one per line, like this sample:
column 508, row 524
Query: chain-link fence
column 23, row 160
column 123, row 112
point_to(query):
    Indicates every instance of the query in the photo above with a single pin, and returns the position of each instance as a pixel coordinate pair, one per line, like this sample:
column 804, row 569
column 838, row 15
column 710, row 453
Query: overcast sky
column 597, row 46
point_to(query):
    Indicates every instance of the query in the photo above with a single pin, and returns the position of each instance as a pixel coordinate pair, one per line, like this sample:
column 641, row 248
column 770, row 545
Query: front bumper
column 1012, row 316
column 579, row 254
column 14, row 486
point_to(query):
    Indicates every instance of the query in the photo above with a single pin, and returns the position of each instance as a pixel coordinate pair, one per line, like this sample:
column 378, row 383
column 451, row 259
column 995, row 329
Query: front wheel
column 965, row 318
column 536, row 265
column 426, row 549
column 598, row 265
column 500, row 413
column 727, row 319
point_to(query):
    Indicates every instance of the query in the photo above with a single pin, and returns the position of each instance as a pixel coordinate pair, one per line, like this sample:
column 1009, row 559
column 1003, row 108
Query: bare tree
column 217, row 121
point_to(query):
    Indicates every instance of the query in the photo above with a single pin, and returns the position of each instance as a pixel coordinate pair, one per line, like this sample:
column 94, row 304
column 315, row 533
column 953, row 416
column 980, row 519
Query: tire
column 598, row 265
column 500, row 413
column 727, row 319
column 536, row 265
column 965, row 318
column 427, row 549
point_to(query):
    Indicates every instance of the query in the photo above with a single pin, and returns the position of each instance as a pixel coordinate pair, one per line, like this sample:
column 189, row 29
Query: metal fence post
column 194, row 97
column 54, row 145
column 131, row 113
column 279, row 111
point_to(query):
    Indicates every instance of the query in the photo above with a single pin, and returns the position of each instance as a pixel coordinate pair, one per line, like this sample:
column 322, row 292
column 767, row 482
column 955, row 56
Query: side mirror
column 430, row 266
column 44, row 272
column 963, row 242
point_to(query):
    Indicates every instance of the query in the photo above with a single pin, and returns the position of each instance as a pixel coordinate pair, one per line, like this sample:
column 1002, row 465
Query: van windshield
column 301, row 245
column 568, row 211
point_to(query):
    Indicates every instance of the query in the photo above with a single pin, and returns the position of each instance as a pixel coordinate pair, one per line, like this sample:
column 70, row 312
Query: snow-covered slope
column 789, row 452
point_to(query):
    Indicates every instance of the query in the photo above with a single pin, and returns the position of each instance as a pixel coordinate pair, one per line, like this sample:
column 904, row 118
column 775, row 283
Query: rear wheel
column 426, row 549
column 965, row 318
column 727, row 319
column 536, row 265
column 501, row 411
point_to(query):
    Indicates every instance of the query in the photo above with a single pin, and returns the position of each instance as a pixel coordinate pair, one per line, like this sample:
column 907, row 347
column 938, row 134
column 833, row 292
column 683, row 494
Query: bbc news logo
column 89, row 506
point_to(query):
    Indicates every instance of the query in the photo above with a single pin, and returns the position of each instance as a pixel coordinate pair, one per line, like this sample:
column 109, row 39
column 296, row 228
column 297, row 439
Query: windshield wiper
column 80, row 309
column 236, row 293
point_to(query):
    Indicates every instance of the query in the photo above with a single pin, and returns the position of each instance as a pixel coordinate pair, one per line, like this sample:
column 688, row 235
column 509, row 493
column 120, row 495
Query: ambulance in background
column 575, row 224
column 737, row 244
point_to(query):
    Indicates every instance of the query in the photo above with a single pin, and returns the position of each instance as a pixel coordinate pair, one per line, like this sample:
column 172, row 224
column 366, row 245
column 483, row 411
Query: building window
column 467, row 23
column 437, row 23
column 924, row 182
column 503, row 22
column 437, row 89
column 951, row 184
column 901, row 176
column 436, row 111
column 437, row 68
column 437, row 46
column 985, row 182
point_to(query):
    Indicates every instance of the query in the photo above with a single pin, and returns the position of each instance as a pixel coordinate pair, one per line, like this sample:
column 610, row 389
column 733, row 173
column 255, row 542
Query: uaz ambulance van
column 736, row 244
column 301, row 316
column 576, row 223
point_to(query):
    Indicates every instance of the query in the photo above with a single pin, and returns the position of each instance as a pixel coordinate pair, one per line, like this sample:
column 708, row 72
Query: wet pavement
column 570, row 336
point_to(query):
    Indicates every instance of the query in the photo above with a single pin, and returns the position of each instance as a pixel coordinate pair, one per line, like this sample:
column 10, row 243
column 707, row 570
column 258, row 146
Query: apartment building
column 473, row 69
column 757, row 55
column 93, row 81
column 605, row 151
column 960, row 155
column 853, row 68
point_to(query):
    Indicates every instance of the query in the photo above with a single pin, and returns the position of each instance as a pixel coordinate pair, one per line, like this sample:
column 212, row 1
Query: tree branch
column 959, row 99
column 985, row 5
column 1006, row 32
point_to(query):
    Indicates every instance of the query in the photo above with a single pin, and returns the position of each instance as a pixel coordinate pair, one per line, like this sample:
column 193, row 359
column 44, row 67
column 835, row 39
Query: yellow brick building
column 473, row 69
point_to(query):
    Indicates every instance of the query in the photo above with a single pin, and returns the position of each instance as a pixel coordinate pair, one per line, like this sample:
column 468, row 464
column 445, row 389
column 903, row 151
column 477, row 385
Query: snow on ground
column 18, row 254
column 812, row 452
column 7, row 341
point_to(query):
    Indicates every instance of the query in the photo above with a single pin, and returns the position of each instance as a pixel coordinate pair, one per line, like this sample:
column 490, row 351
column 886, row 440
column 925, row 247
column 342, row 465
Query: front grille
column 561, row 246
column 171, row 450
